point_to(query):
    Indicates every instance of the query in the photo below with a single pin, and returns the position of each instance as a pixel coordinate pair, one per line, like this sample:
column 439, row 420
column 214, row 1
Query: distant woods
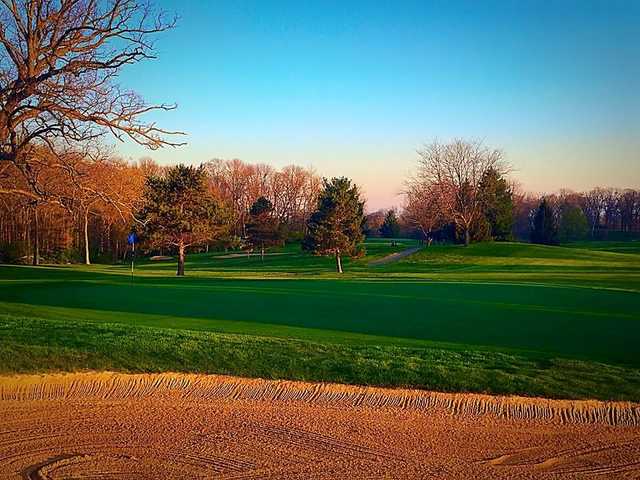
column 87, row 209
column 60, row 96
column 65, row 196
column 601, row 213
column 88, row 215
column 84, row 209
column 461, row 191
column 292, row 192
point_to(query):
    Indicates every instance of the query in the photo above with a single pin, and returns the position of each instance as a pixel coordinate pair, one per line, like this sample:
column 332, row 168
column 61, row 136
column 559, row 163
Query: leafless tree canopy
column 82, row 197
column 422, row 209
column 293, row 190
column 446, row 184
column 59, row 61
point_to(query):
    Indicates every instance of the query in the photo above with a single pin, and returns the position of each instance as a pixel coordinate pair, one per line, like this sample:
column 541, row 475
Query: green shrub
column 65, row 255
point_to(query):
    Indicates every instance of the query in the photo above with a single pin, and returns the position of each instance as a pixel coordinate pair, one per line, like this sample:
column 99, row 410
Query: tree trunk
column 338, row 262
column 180, row 272
column 467, row 236
column 87, row 259
column 36, row 237
column 262, row 252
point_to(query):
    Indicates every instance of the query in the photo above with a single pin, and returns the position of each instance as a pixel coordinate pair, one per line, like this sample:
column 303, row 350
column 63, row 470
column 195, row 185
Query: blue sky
column 354, row 88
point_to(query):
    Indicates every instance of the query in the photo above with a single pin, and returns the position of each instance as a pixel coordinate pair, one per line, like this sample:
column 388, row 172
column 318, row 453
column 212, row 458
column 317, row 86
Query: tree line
column 461, row 192
column 64, row 195
column 600, row 213
column 87, row 209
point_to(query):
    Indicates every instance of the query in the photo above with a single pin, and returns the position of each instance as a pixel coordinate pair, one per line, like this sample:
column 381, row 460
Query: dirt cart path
column 394, row 257
column 103, row 425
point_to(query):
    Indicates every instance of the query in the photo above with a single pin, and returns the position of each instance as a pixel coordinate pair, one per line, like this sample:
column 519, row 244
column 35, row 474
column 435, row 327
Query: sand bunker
column 103, row 425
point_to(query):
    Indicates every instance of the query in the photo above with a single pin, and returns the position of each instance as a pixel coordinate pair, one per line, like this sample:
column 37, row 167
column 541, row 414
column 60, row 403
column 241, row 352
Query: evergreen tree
column 390, row 227
column 263, row 227
column 336, row 226
column 545, row 230
column 179, row 211
column 573, row 224
column 497, row 204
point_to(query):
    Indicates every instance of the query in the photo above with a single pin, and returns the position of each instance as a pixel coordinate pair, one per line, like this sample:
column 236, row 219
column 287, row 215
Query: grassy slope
column 502, row 318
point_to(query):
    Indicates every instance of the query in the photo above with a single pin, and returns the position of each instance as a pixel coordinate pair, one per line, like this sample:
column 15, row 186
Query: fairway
column 523, row 311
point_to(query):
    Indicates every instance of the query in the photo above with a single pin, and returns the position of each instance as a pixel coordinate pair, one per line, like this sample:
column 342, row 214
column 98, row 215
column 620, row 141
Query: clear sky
column 354, row 88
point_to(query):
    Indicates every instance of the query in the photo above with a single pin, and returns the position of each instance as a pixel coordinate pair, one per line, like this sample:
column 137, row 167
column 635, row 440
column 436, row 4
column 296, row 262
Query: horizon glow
column 353, row 89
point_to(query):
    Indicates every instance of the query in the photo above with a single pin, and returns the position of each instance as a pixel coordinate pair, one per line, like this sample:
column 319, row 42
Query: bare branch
column 59, row 62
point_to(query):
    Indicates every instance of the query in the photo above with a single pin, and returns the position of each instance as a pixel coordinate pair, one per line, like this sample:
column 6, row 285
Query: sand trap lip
column 110, row 385
column 187, row 426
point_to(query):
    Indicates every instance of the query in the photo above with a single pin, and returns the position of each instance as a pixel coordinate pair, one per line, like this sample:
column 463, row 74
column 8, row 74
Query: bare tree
column 423, row 208
column 59, row 63
column 293, row 191
column 105, row 187
column 593, row 203
column 453, row 171
column 611, row 209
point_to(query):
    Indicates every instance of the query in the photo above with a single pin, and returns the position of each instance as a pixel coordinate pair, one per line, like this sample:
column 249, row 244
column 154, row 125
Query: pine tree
column 497, row 204
column 545, row 230
column 263, row 227
column 336, row 226
column 390, row 227
column 179, row 211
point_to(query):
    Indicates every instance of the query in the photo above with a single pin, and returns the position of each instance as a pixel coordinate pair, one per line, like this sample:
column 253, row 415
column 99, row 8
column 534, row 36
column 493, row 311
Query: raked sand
column 109, row 425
